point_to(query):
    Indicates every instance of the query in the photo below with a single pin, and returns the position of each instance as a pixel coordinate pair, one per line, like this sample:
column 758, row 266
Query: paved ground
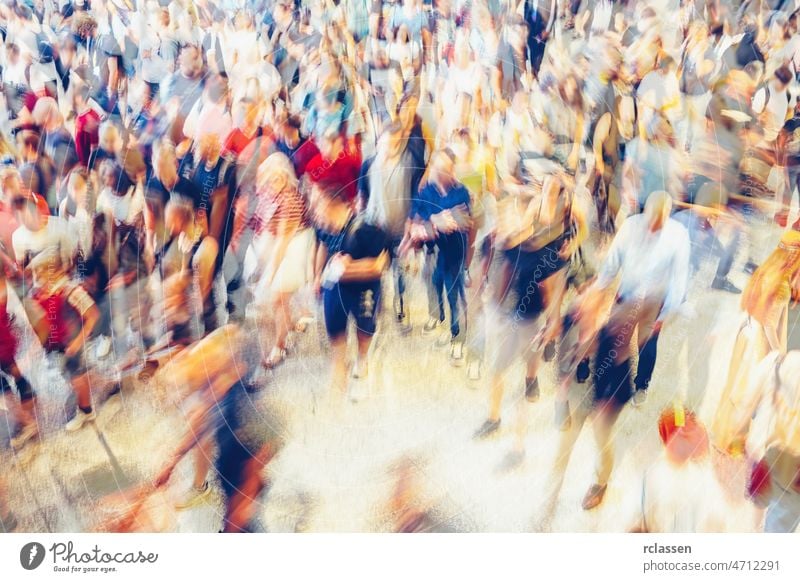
column 335, row 471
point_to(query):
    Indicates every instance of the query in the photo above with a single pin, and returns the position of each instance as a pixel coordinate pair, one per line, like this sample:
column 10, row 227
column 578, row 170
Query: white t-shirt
column 121, row 208
column 773, row 112
column 27, row 243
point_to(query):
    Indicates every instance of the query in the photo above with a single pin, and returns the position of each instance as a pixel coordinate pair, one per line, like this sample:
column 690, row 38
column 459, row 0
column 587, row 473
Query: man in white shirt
column 771, row 104
column 37, row 233
column 650, row 257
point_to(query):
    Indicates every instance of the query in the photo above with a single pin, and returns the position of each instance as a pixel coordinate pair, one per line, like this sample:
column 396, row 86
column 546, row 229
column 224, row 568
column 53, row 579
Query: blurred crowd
column 180, row 179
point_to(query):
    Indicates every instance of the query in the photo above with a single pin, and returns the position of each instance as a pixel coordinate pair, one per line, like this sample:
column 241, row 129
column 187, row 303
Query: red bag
column 759, row 485
column 683, row 435
column 8, row 340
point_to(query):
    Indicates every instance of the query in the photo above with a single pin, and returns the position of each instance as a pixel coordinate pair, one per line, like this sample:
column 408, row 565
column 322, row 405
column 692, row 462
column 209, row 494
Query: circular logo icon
column 31, row 555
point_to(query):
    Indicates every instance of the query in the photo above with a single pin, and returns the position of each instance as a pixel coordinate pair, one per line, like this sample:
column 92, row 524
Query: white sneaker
column 444, row 338
column 474, row 370
column 431, row 326
column 360, row 369
column 457, row 353
column 27, row 433
column 194, row 497
column 103, row 347
column 80, row 419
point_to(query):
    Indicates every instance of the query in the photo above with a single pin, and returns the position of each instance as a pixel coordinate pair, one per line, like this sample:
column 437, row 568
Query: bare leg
column 80, row 386
column 283, row 318
column 202, row 462
column 339, row 371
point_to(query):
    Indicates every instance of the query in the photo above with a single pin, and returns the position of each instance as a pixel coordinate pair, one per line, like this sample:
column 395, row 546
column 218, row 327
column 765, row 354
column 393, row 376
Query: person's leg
column 783, row 513
column 511, row 344
column 728, row 253
column 25, row 414
column 429, row 276
column 366, row 315
column 336, row 316
column 202, row 463
column 241, row 506
column 81, row 386
column 453, row 282
column 603, row 426
column 398, row 268
column 281, row 308
column 581, row 403
column 647, row 343
column 8, row 523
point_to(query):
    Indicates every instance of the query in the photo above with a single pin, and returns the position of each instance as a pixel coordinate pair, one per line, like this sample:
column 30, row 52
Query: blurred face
column 326, row 210
column 271, row 181
column 190, row 62
column 30, row 217
column 174, row 219
column 443, row 166
column 657, row 216
column 209, row 148
column 109, row 139
column 407, row 114
column 166, row 166
column 78, row 189
column 625, row 119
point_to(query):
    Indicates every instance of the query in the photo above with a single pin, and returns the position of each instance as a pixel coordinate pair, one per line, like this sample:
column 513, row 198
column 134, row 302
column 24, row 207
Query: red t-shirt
column 340, row 176
column 87, row 135
column 236, row 142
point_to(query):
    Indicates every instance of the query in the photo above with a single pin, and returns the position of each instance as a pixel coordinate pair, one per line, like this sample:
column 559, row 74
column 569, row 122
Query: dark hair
column 294, row 122
column 783, row 74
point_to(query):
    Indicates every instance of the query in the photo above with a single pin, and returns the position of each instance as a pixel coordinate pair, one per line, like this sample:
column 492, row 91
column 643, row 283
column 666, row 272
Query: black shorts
column 532, row 269
column 23, row 387
column 359, row 301
column 76, row 365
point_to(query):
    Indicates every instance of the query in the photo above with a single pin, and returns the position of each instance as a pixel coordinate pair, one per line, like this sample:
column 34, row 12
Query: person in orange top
column 765, row 303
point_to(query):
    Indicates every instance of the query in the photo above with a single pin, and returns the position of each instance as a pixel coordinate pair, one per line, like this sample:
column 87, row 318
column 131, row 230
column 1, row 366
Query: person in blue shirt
column 441, row 214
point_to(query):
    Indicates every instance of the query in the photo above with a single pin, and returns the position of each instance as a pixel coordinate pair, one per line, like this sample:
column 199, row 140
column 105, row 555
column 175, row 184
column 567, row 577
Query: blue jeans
column 448, row 279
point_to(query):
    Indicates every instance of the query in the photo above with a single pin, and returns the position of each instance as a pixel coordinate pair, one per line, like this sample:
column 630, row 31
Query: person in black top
column 163, row 182
column 352, row 256
column 789, row 157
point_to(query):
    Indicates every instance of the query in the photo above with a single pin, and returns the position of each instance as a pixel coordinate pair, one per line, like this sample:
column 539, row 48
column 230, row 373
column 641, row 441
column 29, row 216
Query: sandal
column 276, row 357
column 303, row 323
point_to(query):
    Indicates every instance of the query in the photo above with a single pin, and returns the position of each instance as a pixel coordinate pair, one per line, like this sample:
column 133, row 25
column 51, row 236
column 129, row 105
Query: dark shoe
column 147, row 371
column 749, row 267
column 549, row 351
column 583, row 371
column 487, row 429
column 532, row 389
column 511, row 461
column 8, row 523
column 594, row 496
column 724, row 284
column 563, row 417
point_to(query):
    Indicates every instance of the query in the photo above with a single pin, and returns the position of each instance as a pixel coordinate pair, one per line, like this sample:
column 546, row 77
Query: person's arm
column 775, row 318
column 577, row 141
column 320, row 258
column 203, row 263
column 615, row 257
column 218, row 214
column 89, row 319
column 600, row 134
column 678, row 276
column 364, row 269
